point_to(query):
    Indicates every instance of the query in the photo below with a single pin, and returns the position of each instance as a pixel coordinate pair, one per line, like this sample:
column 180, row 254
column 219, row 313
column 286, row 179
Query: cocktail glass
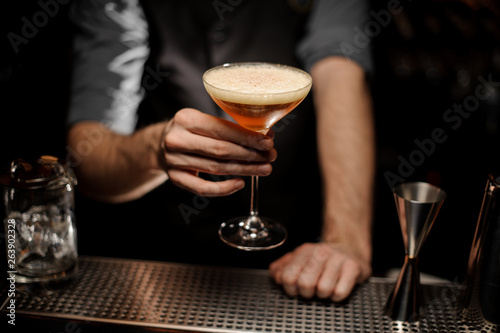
column 256, row 96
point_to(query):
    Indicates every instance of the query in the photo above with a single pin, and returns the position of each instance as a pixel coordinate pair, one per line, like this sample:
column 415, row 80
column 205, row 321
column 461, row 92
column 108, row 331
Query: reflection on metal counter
column 117, row 293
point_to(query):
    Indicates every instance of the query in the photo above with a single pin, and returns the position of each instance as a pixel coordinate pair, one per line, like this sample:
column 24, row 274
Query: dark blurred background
column 432, row 59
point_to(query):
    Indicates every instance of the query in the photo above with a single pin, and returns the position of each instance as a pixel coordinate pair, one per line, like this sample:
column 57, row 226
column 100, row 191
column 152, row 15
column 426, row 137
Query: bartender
column 160, row 166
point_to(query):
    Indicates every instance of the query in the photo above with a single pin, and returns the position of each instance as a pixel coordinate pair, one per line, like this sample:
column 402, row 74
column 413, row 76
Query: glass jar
column 40, row 230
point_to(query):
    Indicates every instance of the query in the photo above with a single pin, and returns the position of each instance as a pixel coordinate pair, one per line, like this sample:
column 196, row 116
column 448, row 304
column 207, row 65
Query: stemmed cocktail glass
column 256, row 95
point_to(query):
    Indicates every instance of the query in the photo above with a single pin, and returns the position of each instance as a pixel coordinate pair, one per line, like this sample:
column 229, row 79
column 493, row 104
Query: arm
column 110, row 49
column 331, row 268
column 346, row 149
column 113, row 167
column 117, row 168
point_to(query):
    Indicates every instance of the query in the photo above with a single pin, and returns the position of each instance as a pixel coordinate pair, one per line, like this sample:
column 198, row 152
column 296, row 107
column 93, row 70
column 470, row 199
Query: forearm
column 346, row 152
column 112, row 167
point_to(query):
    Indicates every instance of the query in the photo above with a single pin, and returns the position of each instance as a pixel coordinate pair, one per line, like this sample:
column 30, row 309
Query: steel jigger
column 417, row 205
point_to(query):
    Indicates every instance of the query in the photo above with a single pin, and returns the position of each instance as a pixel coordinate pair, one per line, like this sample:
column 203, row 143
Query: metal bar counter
column 143, row 295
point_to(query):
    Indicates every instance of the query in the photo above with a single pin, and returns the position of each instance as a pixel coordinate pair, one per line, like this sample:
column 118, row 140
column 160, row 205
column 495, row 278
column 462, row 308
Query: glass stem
column 254, row 211
column 253, row 224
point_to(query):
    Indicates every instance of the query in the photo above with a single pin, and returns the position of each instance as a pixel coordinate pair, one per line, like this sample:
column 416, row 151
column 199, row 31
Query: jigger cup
column 417, row 204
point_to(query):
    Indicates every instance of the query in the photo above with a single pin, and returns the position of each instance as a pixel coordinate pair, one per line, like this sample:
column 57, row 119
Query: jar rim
column 46, row 171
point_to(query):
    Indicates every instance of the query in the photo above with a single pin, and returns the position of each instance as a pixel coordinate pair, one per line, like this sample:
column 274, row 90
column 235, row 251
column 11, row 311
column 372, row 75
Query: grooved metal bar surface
column 214, row 299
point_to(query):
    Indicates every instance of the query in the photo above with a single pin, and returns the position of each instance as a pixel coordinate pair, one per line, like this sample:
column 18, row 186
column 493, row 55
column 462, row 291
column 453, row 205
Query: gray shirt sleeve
column 337, row 28
column 110, row 49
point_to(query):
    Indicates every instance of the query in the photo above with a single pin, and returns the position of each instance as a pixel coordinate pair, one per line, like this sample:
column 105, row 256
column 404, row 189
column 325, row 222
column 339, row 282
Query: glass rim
column 57, row 174
column 439, row 193
column 256, row 63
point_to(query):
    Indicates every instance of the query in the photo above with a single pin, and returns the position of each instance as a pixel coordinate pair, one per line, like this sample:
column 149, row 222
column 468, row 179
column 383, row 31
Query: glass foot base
column 234, row 233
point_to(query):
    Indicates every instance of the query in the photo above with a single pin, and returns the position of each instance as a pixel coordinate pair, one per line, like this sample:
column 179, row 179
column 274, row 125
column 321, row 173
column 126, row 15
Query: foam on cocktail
column 258, row 84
